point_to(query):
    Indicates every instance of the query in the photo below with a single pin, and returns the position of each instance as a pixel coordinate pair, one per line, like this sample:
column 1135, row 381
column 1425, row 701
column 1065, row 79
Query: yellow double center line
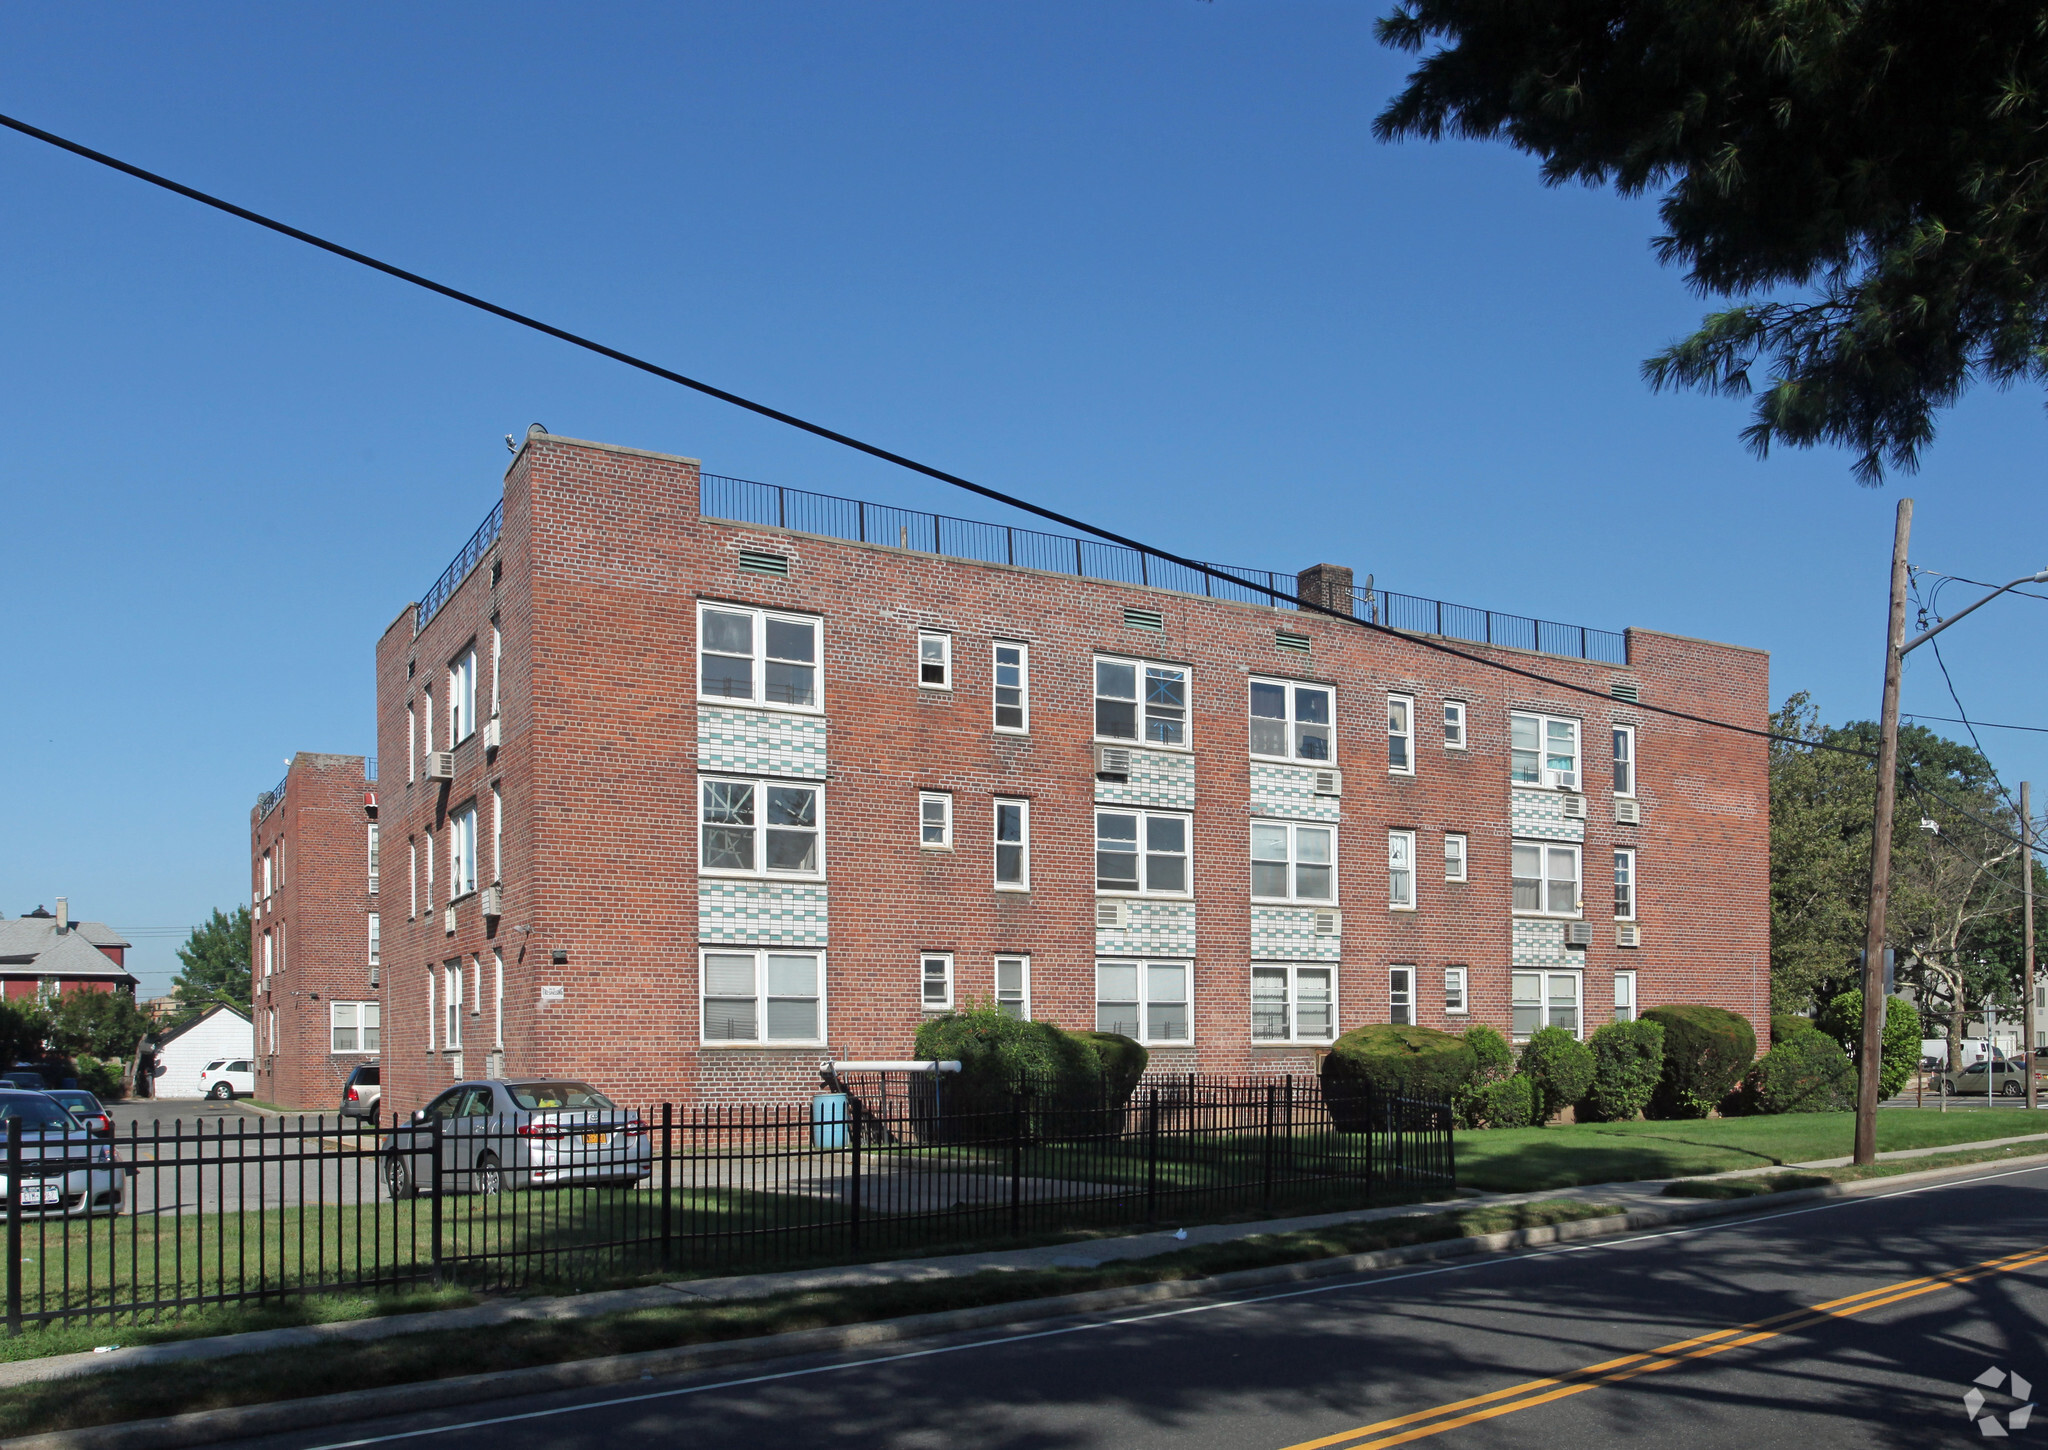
column 1424, row 1423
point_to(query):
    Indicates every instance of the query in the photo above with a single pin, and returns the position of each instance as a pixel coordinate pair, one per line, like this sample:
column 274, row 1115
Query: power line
column 1980, row 724
column 1974, row 741
column 846, row 440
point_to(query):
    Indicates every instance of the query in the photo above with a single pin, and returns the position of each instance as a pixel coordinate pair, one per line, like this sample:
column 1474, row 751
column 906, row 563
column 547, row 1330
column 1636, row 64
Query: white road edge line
column 1127, row 1319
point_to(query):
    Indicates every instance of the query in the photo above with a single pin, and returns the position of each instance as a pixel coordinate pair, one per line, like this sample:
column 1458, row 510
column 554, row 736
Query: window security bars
column 745, row 501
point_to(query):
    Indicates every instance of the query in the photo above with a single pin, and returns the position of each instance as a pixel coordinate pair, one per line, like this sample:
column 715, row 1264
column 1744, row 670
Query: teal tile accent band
column 1538, row 815
column 1153, row 928
column 771, row 913
column 760, row 742
column 1288, row 933
column 1541, row 944
column 1160, row 780
column 1290, row 791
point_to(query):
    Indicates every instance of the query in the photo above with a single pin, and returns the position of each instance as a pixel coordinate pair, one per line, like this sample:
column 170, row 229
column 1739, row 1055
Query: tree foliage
column 1898, row 1050
column 216, row 964
column 1628, row 1061
column 1706, row 1049
column 97, row 1024
column 1806, row 1073
column 1865, row 182
column 1559, row 1068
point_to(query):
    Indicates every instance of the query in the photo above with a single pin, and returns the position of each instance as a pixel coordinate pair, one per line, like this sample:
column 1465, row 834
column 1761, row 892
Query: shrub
column 1493, row 1061
column 1784, row 1024
column 1628, row 1060
column 1806, row 1073
column 996, row 1052
column 1508, row 1103
column 103, row 1079
column 1898, row 1049
column 1383, row 1059
column 1705, row 1050
column 1559, row 1068
column 1123, row 1063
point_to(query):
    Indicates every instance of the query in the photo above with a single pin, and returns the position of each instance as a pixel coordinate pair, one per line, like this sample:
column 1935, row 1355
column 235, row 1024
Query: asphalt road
column 1320, row 1366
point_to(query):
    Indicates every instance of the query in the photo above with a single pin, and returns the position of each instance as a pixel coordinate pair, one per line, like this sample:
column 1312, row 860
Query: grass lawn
column 1524, row 1160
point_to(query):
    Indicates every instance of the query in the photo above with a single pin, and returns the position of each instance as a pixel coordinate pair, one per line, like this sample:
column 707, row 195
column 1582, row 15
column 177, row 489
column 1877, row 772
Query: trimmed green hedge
column 1073, row 1074
column 1493, row 1061
column 1706, row 1050
column 1508, row 1103
column 1123, row 1062
column 1898, row 1048
column 1784, row 1024
column 1559, row 1068
column 1806, row 1073
column 1385, row 1060
column 1628, row 1062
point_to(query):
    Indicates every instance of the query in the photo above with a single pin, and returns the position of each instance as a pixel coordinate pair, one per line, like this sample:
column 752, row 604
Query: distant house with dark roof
column 47, row 953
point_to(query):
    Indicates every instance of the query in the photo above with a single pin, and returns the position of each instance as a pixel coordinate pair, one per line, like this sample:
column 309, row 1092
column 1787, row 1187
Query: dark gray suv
column 538, row 1133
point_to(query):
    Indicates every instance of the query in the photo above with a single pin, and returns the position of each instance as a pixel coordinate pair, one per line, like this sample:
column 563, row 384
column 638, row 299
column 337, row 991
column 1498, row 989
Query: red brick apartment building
column 684, row 805
column 313, row 924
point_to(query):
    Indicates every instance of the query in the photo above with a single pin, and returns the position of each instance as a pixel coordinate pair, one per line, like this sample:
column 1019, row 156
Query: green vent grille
column 1625, row 690
column 753, row 562
column 1144, row 619
column 1287, row 640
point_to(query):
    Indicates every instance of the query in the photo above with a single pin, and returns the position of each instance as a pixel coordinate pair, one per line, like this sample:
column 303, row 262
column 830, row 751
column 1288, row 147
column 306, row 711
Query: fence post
column 667, row 1181
column 853, row 1142
column 1152, row 1155
column 1016, row 1162
column 862, row 527
column 14, row 1226
column 1287, row 1123
column 434, row 1142
column 1266, row 1156
column 781, row 507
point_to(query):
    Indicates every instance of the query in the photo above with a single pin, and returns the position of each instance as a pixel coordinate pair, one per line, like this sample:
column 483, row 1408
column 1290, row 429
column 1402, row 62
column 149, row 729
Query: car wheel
column 1945, row 1088
column 220, row 1090
column 489, row 1178
column 397, row 1178
column 2011, row 1090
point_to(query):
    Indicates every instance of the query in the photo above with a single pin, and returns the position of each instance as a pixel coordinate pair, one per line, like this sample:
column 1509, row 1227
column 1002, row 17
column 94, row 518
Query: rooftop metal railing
column 270, row 799
column 451, row 578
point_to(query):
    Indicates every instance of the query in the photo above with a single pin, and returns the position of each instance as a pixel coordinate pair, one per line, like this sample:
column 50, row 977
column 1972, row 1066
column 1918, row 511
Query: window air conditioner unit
column 1578, row 934
column 448, row 919
column 493, row 734
column 375, row 974
column 1566, row 779
column 493, row 900
column 1627, row 812
column 1113, row 760
column 1628, row 936
column 1575, row 807
column 1329, row 782
column 1110, row 916
column 440, row 765
column 1329, row 923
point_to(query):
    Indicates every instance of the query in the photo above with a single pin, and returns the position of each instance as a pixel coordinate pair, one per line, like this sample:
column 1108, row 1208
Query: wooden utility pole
column 2027, row 1058
column 1870, row 1059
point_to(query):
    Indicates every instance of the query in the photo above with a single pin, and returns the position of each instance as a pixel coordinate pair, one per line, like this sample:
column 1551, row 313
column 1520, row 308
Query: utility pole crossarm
column 1926, row 634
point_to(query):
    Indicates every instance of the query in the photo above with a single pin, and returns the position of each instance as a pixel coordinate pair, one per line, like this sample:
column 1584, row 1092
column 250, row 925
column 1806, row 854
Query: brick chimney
column 63, row 915
column 1326, row 584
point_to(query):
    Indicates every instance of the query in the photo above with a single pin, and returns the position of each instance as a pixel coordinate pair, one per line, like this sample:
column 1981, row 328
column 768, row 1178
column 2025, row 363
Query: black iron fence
column 157, row 1221
column 458, row 568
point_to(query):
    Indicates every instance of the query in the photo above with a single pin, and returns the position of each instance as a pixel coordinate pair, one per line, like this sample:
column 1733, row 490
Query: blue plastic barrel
column 828, row 1120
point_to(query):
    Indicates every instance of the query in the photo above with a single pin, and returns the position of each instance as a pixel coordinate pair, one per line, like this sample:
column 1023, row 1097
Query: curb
column 207, row 1427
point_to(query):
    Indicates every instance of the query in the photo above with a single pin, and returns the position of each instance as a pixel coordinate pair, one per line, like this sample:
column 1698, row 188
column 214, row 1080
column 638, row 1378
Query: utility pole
column 2027, row 940
column 1869, row 1060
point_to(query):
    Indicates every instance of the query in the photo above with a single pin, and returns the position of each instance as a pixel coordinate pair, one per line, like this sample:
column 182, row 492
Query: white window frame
column 1398, row 843
column 1290, row 1003
column 497, row 998
column 758, row 659
column 1401, row 995
column 269, row 953
column 412, row 851
column 1625, row 884
column 937, row 803
column 451, row 974
column 376, row 942
column 1140, row 705
column 1544, row 1017
column 1457, row 991
column 1291, row 724
column 1458, row 857
column 497, row 664
column 1547, row 777
column 934, row 660
column 462, row 697
column 1457, row 734
column 412, row 735
column 942, row 980
column 497, row 834
column 373, row 857
column 1544, row 850
column 1018, row 1003
column 433, row 987
column 1144, row 855
column 759, row 828
column 462, row 853
column 761, row 997
column 1291, row 832
column 1023, row 809
column 269, row 877
column 1401, row 734
column 364, row 1024
column 1626, row 1007
column 427, row 720
column 1021, row 667
column 428, row 838
column 1145, row 1001
column 1625, row 760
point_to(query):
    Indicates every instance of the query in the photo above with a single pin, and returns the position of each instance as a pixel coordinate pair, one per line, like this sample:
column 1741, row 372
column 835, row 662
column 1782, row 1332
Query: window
column 1293, row 1004
column 760, row 828
column 497, row 998
column 281, row 926
column 353, row 1026
column 462, row 852
column 280, row 861
column 1013, row 687
column 1013, row 845
column 497, row 833
column 376, row 941
column 430, row 1009
column 1624, row 760
column 1624, row 996
column 1401, row 996
column 1454, row 991
column 452, row 973
column 462, row 697
column 1546, row 879
column 1454, row 725
column 1454, row 856
column 935, row 820
column 427, row 721
column 1624, row 886
column 412, row 851
column 1400, row 735
column 1013, row 987
column 373, row 858
column 1147, row 1001
column 1543, row 751
column 757, row 657
column 412, row 731
column 1293, row 862
column 1401, row 870
column 268, row 880
column 497, row 664
column 936, row 994
column 1545, row 999
column 1130, row 691
column 934, row 660
column 1141, row 852
column 269, row 955
column 430, row 869
column 763, row 997
column 1290, row 721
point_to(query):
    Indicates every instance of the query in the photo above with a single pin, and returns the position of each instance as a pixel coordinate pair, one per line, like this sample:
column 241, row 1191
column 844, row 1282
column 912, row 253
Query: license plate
column 595, row 1137
column 34, row 1195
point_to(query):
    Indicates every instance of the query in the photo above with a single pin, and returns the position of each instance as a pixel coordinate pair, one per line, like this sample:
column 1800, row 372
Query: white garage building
column 218, row 1032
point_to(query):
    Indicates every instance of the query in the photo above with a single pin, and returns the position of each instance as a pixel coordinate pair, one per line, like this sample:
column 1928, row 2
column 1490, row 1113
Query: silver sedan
column 497, row 1134
column 2007, row 1077
column 65, row 1169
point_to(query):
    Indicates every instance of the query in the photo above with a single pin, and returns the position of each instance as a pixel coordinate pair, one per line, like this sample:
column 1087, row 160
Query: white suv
column 231, row 1077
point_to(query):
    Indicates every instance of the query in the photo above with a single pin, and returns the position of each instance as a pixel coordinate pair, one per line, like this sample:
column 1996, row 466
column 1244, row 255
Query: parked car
column 360, row 1095
column 2007, row 1077
column 65, row 1170
column 497, row 1135
column 228, row 1078
column 83, row 1106
column 25, row 1080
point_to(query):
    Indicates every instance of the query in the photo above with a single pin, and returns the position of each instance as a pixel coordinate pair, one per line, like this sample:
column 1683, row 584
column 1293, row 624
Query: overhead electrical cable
column 1980, row 724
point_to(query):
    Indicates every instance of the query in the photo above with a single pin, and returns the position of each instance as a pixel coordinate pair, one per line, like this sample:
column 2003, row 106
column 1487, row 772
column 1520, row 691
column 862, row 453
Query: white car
column 231, row 1077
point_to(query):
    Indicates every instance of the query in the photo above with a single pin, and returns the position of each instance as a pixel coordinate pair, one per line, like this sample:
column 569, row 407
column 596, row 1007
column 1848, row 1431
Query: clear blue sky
column 1141, row 261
